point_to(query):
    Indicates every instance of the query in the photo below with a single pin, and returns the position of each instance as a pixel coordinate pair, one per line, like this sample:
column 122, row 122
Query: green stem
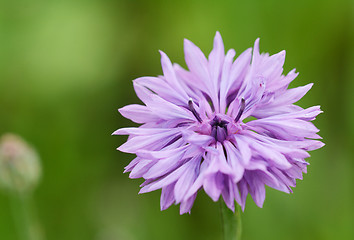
column 231, row 222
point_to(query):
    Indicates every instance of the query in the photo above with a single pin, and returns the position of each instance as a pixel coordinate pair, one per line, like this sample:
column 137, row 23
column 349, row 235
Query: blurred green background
column 66, row 67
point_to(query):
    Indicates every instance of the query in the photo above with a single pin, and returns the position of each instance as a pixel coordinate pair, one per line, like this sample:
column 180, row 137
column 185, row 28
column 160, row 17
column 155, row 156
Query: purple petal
column 292, row 95
column 140, row 168
column 163, row 167
column 138, row 113
column 186, row 180
column 170, row 178
column 146, row 142
column 163, row 89
column 256, row 188
column 243, row 188
column 170, row 76
column 235, row 161
column 167, row 197
column 216, row 61
column 244, row 149
column 228, row 193
column 143, row 131
column 226, row 82
column 186, row 206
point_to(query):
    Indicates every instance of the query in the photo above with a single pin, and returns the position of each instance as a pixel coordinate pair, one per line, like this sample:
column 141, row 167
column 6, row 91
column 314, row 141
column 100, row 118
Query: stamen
column 242, row 108
column 192, row 109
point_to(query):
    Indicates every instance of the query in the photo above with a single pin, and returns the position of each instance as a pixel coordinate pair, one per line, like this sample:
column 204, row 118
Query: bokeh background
column 67, row 66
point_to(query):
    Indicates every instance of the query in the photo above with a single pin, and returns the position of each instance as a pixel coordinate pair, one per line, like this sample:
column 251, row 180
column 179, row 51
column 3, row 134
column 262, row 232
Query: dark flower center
column 218, row 126
column 218, row 129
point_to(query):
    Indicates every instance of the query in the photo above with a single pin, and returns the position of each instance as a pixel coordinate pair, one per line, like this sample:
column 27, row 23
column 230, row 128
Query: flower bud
column 20, row 168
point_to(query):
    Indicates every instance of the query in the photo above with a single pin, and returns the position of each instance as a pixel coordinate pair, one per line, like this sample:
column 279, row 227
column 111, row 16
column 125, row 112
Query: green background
column 66, row 67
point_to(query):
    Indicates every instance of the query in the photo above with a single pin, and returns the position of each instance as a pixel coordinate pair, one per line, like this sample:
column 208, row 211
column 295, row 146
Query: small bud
column 20, row 168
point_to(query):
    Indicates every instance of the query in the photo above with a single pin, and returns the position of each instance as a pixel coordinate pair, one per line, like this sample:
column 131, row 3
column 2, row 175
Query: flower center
column 221, row 125
column 218, row 129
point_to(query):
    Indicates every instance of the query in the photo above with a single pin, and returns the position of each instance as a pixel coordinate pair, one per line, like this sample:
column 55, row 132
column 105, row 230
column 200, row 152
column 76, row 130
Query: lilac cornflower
column 228, row 127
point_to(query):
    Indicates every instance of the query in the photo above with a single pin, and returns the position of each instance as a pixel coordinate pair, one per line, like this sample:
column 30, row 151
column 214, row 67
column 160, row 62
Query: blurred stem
column 231, row 222
column 19, row 207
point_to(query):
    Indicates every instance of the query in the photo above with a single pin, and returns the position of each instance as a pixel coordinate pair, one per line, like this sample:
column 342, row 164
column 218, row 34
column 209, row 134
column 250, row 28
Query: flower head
column 228, row 127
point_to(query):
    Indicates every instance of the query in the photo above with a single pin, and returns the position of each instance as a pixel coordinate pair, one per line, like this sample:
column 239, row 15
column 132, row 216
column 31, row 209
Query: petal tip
column 162, row 54
column 217, row 37
column 256, row 43
column 187, row 42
